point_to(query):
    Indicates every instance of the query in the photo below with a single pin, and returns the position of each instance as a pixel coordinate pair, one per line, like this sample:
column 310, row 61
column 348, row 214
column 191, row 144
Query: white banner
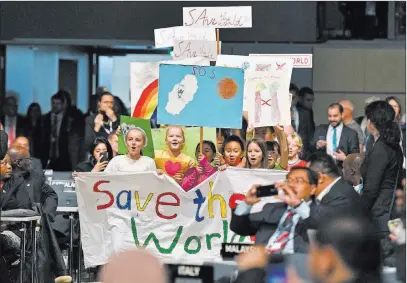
column 299, row 60
column 164, row 37
column 143, row 210
column 218, row 17
column 278, row 67
column 195, row 48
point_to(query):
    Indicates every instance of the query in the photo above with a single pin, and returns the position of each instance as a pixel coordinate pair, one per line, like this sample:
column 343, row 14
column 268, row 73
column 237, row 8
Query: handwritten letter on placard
column 164, row 37
column 218, row 17
column 194, row 48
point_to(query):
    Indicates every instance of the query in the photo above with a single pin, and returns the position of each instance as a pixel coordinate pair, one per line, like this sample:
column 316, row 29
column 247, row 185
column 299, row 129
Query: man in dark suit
column 277, row 225
column 52, row 135
column 302, row 121
column 35, row 162
column 335, row 138
column 3, row 142
column 13, row 123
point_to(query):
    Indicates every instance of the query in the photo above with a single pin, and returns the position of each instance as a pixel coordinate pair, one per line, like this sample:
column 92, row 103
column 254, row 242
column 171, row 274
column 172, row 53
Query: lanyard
column 110, row 128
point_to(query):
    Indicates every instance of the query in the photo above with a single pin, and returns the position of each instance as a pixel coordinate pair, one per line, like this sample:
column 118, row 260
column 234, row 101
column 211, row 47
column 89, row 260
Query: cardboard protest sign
column 128, row 123
column 218, row 17
column 299, row 60
column 164, row 37
column 120, row 211
column 144, row 85
column 275, row 66
column 200, row 96
column 195, row 48
column 191, row 139
column 267, row 105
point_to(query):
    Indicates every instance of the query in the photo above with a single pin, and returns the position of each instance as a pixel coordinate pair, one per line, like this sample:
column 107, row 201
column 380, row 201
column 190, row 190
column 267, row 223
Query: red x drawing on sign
column 263, row 68
column 279, row 67
column 264, row 102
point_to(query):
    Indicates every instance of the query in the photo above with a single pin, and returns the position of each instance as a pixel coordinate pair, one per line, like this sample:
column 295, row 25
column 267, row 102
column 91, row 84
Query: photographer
column 100, row 155
column 104, row 122
column 279, row 226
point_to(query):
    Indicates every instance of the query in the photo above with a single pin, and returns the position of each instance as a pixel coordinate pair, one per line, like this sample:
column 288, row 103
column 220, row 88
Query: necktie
column 283, row 231
column 54, row 134
column 334, row 141
column 11, row 133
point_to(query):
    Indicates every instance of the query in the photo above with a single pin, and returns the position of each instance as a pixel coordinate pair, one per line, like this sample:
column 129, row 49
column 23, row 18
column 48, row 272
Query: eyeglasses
column 24, row 158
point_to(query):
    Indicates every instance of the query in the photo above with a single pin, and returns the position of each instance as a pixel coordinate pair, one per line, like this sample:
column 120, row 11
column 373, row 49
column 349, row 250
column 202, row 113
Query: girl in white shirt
column 133, row 161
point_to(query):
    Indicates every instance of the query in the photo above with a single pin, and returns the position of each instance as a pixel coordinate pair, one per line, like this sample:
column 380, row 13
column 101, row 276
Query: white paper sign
column 279, row 67
column 164, row 37
column 120, row 211
column 218, row 17
column 267, row 104
column 299, row 60
column 184, row 49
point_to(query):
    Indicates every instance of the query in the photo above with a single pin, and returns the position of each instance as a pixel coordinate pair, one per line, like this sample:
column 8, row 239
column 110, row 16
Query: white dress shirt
column 329, row 138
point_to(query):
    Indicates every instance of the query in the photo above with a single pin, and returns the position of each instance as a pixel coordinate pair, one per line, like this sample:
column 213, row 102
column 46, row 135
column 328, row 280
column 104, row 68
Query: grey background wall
column 136, row 20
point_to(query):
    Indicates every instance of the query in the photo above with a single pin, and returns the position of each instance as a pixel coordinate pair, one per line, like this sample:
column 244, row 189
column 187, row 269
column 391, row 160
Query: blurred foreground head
column 135, row 266
column 345, row 248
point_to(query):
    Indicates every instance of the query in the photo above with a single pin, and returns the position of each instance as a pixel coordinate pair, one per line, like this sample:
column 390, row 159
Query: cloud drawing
column 181, row 95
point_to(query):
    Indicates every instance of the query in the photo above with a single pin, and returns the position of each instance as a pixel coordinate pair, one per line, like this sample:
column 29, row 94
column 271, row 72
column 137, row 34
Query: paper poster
column 267, row 105
column 200, row 96
column 192, row 138
column 128, row 123
column 299, row 60
column 277, row 67
column 164, row 37
column 195, row 48
column 218, row 17
column 122, row 211
column 144, row 85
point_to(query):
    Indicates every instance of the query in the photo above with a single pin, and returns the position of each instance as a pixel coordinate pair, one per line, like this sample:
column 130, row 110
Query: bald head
column 133, row 266
column 347, row 104
column 20, row 158
column 351, row 168
column 23, row 142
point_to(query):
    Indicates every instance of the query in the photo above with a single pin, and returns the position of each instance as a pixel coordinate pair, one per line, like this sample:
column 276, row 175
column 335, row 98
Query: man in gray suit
column 35, row 163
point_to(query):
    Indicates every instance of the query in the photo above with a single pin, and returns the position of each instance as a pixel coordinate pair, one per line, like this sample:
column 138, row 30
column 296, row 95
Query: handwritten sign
column 195, row 48
column 218, row 17
column 164, row 37
column 121, row 211
column 300, row 60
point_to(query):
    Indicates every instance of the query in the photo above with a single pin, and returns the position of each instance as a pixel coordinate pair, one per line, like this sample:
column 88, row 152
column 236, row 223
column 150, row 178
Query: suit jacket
column 20, row 127
column 342, row 196
column 264, row 224
column 348, row 143
column 306, row 126
column 380, row 171
column 37, row 167
column 3, row 144
column 42, row 139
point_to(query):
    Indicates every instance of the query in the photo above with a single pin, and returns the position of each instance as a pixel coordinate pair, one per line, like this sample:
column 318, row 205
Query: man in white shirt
column 335, row 138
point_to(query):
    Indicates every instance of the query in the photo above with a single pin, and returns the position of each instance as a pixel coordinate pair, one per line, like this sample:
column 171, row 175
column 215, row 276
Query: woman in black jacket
column 94, row 164
column 381, row 168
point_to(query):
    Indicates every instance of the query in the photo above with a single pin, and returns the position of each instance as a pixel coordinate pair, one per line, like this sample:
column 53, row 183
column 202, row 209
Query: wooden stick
column 218, row 51
column 201, row 139
column 254, row 133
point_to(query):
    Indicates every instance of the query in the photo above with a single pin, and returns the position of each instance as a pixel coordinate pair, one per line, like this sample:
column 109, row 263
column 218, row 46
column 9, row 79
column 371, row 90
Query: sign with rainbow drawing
column 120, row 211
column 204, row 96
column 144, row 85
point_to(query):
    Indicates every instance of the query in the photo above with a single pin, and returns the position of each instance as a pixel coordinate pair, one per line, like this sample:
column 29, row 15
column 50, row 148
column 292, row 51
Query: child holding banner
column 133, row 161
column 172, row 161
column 256, row 156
